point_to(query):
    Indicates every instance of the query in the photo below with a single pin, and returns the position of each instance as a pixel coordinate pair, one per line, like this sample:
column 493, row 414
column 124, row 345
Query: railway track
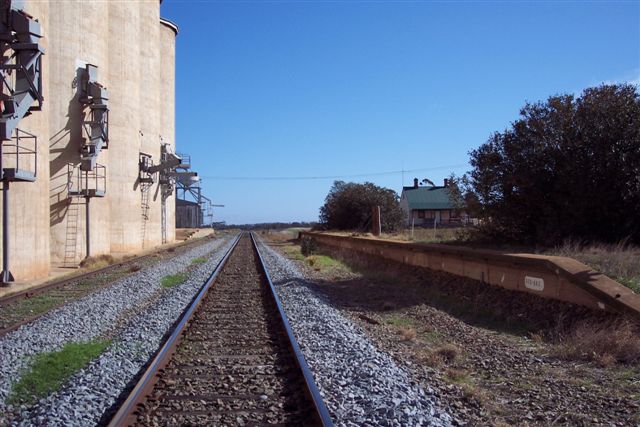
column 27, row 305
column 231, row 360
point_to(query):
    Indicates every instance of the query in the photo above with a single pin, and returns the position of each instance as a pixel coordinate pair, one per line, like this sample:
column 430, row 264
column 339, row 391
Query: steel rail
column 147, row 381
column 310, row 385
column 126, row 414
column 56, row 284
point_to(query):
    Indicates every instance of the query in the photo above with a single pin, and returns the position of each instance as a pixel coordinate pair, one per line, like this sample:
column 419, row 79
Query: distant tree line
column 568, row 168
column 267, row 226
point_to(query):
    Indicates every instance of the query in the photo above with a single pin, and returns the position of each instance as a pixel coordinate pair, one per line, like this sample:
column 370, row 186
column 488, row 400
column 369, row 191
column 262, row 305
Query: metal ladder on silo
column 163, row 221
column 71, row 237
column 144, row 204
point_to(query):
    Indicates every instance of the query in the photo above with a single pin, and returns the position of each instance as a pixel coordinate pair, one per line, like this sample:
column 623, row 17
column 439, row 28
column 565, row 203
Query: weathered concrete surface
column 552, row 277
column 68, row 53
column 29, row 202
column 134, row 53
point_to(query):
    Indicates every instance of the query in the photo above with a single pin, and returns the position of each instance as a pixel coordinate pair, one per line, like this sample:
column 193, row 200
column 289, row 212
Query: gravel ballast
column 91, row 391
column 360, row 384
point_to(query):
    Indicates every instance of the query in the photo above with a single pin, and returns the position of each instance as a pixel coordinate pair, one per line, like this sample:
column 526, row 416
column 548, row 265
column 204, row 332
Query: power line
column 320, row 177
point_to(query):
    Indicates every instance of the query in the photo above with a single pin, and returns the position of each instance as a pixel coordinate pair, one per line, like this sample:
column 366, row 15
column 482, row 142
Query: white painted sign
column 534, row 283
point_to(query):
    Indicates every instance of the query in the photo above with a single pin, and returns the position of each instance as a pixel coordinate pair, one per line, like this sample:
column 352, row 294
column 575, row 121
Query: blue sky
column 339, row 88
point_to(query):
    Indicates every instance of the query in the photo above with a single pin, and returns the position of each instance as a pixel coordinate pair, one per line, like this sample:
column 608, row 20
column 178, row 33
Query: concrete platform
column 553, row 277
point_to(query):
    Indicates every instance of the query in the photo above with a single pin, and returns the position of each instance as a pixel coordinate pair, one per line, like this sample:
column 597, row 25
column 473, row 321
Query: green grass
column 327, row 264
column 173, row 280
column 324, row 261
column 456, row 376
column 199, row 260
column 399, row 321
column 432, row 336
column 35, row 305
column 632, row 283
column 293, row 252
column 48, row 371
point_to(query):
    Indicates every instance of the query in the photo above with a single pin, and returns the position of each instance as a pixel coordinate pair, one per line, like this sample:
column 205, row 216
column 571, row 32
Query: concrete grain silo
column 103, row 60
column 168, row 32
column 124, row 125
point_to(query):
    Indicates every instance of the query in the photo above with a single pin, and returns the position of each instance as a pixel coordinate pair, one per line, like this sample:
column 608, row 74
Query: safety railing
column 185, row 162
column 87, row 183
column 21, row 153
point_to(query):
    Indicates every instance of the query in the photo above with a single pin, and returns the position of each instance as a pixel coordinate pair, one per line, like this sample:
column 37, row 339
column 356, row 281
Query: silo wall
column 78, row 35
column 125, row 133
column 29, row 201
column 149, row 101
column 168, row 32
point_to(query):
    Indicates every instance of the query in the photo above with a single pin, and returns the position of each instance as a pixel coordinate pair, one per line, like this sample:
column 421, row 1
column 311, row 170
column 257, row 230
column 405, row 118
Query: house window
column 420, row 213
column 430, row 214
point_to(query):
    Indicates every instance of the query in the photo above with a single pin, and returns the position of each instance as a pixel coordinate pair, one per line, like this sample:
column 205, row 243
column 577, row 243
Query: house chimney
column 415, row 182
column 446, row 182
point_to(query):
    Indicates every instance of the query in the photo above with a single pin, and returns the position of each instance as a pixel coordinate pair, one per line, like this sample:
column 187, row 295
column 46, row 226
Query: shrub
column 567, row 168
column 308, row 246
column 604, row 343
column 99, row 261
column 348, row 206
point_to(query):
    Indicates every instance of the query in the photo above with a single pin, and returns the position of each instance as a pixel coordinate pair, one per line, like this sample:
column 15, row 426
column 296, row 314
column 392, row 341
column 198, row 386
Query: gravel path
column 360, row 385
column 90, row 392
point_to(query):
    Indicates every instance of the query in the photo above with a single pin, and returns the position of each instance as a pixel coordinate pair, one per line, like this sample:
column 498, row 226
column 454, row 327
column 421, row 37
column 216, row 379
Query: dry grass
column 94, row 262
column 448, row 352
column 284, row 235
column 537, row 337
column 472, row 393
column 134, row 267
column 429, row 358
column 278, row 237
column 603, row 343
column 419, row 235
column 443, row 354
column 456, row 375
column 619, row 261
column 429, row 235
column 408, row 334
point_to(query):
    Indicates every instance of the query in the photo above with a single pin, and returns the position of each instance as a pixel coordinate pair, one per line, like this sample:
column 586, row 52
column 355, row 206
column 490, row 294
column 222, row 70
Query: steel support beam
column 5, row 277
column 88, row 226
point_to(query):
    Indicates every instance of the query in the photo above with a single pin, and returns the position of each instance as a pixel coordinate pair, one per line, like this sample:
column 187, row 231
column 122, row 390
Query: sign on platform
column 534, row 283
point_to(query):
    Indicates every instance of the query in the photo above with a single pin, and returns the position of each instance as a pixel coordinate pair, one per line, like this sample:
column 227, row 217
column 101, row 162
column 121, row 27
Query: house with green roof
column 429, row 205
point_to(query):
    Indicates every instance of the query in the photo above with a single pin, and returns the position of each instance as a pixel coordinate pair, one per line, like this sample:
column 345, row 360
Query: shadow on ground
column 383, row 285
